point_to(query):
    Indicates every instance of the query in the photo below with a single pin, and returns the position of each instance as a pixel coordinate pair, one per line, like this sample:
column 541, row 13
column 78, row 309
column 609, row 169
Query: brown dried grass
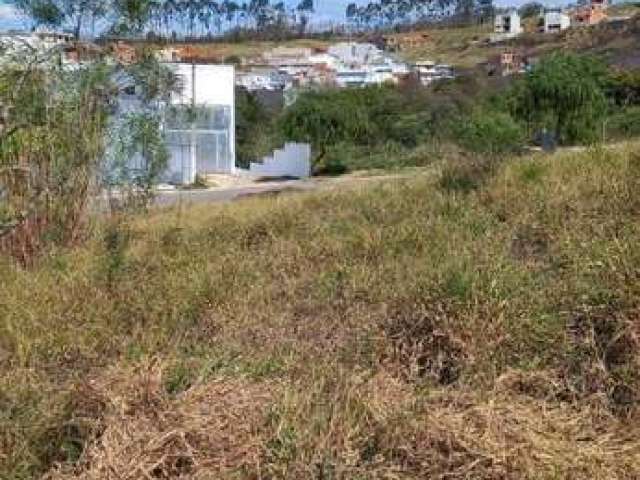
column 502, row 436
column 208, row 431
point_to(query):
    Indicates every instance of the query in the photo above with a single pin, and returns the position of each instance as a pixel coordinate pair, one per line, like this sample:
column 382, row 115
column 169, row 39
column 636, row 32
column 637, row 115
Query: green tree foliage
column 624, row 87
column 367, row 116
column 564, row 93
column 254, row 129
column 72, row 14
column 530, row 9
column 490, row 132
column 59, row 134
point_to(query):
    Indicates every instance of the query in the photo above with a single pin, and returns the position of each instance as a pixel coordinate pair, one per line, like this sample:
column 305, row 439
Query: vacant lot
column 482, row 322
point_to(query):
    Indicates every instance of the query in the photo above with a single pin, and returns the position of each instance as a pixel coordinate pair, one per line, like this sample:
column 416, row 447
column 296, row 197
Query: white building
column 14, row 45
column 200, row 122
column 355, row 53
column 508, row 24
column 555, row 20
column 429, row 71
column 263, row 79
column 324, row 59
column 350, row 77
column 39, row 40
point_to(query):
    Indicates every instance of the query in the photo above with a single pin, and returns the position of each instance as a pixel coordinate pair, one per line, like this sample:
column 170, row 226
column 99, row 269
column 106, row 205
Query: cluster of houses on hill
column 344, row 64
column 551, row 20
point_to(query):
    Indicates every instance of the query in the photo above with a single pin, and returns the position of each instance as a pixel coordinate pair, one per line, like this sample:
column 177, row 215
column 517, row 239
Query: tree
column 132, row 16
column 485, row 10
column 56, row 141
column 565, row 94
column 530, row 10
column 465, row 10
column 304, row 10
column 72, row 14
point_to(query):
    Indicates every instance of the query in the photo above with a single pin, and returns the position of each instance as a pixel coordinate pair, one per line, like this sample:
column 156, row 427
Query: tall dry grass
column 409, row 329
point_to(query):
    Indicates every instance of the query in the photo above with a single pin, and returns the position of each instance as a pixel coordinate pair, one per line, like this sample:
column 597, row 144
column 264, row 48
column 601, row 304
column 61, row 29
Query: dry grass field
column 481, row 321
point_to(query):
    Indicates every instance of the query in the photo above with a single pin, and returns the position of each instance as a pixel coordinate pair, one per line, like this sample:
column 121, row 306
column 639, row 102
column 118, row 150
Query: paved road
column 226, row 194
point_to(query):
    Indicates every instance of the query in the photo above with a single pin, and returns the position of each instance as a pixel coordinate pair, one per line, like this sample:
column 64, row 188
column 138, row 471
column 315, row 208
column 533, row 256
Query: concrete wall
column 294, row 160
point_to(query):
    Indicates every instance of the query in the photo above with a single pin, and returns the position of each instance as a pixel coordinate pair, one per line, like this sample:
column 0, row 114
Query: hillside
column 474, row 321
column 466, row 47
column 616, row 41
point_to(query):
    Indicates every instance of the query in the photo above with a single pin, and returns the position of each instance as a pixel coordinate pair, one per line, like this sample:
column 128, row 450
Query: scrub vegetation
column 576, row 98
column 475, row 321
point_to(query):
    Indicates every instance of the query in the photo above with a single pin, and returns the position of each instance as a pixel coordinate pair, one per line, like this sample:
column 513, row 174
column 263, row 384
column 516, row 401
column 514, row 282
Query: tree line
column 390, row 13
column 166, row 18
column 213, row 18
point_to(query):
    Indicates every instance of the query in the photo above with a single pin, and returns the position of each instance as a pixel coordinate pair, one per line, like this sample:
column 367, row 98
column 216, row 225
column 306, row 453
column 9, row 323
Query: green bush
column 624, row 124
column 564, row 93
column 489, row 133
column 366, row 116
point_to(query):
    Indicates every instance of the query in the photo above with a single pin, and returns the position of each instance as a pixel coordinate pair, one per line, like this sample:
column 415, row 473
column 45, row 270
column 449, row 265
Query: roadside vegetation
column 469, row 322
column 576, row 98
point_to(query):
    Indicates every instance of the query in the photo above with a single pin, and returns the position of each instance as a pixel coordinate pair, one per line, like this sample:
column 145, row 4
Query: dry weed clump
column 422, row 344
column 603, row 360
column 208, row 431
column 461, row 436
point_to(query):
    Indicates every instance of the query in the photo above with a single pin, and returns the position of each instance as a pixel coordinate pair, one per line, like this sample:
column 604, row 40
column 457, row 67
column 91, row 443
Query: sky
column 326, row 10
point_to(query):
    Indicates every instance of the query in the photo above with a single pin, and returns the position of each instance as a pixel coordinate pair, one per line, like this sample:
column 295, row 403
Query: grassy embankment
column 462, row 324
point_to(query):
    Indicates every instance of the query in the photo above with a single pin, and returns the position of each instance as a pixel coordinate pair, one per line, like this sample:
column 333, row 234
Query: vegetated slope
column 616, row 41
column 461, row 46
column 470, row 323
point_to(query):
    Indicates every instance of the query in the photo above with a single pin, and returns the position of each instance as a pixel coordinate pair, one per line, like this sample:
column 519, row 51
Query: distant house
column 512, row 62
column 508, row 24
column 280, row 56
column 405, row 41
column 123, row 53
column 40, row 39
column 429, row 71
column 592, row 13
column 350, row 77
column 353, row 53
column 554, row 20
column 263, row 79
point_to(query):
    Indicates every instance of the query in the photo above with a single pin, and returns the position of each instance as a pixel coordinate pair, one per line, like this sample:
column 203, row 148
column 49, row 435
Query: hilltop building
column 405, row 41
column 264, row 79
column 429, row 71
column 554, row 20
column 594, row 12
column 353, row 53
column 508, row 24
column 39, row 39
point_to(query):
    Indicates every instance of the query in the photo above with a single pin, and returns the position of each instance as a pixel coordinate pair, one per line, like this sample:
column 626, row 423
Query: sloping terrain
column 466, row 47
column 616, row 41
column 478, row 321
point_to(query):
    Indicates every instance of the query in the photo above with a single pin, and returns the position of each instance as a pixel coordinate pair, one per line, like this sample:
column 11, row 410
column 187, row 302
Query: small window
column 130, row 90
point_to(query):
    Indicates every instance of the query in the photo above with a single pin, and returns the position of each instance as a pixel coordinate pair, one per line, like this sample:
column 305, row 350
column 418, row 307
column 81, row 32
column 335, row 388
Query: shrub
column 564, row 93
column 490, row 133
column 365, row 117
column 625, row 123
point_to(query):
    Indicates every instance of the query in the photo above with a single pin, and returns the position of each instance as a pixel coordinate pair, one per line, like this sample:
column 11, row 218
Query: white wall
column 206, row 85
column 294, row 160
column 214, row 84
